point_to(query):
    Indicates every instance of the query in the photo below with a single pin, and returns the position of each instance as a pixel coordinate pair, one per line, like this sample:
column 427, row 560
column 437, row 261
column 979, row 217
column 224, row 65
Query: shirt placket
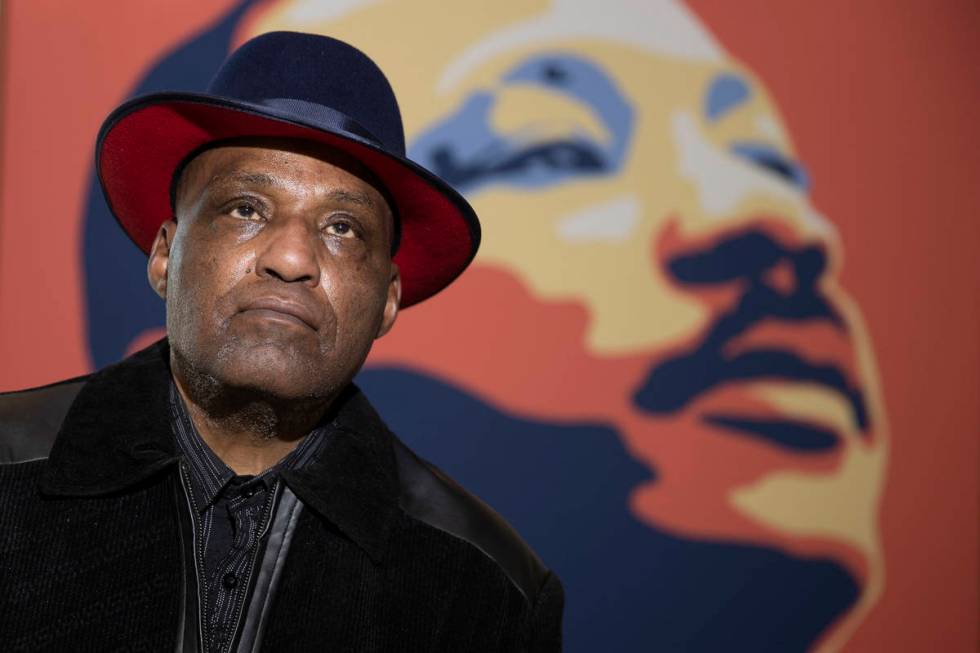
column 249, row 507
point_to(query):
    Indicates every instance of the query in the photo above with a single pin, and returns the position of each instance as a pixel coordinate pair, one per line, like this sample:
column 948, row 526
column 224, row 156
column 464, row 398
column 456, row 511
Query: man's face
column 277, row 272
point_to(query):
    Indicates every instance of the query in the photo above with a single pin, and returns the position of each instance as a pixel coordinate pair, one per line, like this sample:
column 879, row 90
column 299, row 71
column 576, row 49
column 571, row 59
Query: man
column 228, row 488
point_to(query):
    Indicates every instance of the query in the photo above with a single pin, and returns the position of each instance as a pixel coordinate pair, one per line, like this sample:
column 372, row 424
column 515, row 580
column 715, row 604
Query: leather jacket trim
column 430, row 496
column 31, row 419
column 189, row 627
column 269, row 573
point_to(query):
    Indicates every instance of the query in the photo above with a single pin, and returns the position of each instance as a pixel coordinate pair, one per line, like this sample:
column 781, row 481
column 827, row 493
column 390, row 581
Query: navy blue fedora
column 290, row 85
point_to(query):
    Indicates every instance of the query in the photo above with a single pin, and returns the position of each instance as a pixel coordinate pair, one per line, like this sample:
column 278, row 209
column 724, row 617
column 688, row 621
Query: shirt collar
column 118, row 434
column 209, row 474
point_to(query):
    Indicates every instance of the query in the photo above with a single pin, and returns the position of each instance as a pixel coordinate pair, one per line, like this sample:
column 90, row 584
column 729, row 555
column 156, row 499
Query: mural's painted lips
column 790, row 434
column 674, row 384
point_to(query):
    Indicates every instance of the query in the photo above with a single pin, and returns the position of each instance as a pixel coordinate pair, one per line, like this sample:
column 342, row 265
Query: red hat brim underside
column 142, row 149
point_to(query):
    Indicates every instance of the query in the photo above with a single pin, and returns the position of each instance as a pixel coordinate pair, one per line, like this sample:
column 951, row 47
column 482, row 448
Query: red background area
column 880, row 98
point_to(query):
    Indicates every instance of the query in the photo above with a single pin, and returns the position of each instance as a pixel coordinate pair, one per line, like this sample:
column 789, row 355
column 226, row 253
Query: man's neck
column 249, row 432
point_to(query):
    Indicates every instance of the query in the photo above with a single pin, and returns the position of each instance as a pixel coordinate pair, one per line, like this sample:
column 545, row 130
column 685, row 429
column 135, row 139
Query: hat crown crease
column 318, row 70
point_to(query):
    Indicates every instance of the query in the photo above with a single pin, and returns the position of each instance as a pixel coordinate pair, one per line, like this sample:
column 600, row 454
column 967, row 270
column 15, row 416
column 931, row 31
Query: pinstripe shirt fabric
column 230, row 514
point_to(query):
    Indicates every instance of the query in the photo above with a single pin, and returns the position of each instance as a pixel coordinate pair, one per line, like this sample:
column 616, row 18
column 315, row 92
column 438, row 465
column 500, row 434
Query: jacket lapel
column 117, row 434
column 353, row 483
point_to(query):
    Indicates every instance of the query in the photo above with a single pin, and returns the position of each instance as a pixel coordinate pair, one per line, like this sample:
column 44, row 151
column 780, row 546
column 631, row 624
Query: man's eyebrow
column 352, row 197
column 251, row 178
column 262, row 179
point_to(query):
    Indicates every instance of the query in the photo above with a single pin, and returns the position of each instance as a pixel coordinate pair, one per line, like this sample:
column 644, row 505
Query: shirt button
column 229, row 581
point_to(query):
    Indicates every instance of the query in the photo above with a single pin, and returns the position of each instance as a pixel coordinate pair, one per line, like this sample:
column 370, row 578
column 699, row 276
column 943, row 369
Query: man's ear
column 392, row 302
column 156, row 266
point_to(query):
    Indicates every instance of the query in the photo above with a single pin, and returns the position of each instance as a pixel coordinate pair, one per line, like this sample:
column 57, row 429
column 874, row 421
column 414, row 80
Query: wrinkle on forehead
column 664, row 27
column 250, row 178
column 189, row 175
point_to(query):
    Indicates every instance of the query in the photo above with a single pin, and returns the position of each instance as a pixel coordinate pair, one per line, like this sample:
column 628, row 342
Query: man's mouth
column 279, row 309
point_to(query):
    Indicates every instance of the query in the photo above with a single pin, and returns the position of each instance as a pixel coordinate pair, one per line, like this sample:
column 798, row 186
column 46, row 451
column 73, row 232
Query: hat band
column 320, row 115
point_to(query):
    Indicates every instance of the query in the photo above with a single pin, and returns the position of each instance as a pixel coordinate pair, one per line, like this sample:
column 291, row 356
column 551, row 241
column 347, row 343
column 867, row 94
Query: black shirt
column 231, row 515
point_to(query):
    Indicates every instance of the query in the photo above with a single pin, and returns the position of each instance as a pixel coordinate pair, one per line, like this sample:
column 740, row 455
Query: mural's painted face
column 649, row 228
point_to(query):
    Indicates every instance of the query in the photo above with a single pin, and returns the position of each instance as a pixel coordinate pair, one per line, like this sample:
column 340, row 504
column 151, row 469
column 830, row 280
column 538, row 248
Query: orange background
column 880, row 97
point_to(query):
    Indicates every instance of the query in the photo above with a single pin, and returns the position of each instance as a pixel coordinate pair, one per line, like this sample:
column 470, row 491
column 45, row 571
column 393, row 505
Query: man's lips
column 283, row 309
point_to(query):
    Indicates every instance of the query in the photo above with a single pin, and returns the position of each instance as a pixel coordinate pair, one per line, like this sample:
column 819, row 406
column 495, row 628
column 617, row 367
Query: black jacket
column 385, row 554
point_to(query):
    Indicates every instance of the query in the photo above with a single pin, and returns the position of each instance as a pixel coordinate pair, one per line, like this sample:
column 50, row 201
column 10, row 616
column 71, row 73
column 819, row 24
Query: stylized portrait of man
column 685, row 397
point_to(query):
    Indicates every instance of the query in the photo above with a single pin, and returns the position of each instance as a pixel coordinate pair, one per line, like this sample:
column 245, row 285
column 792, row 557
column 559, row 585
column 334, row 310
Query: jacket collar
column 117, row 435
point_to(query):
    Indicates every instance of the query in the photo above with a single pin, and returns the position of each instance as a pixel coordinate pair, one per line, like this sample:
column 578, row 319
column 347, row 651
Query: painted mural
column 653, row 368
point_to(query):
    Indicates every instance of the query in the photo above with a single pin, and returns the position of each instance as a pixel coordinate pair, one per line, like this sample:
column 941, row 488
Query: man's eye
column 244, row 212
column 342, row 229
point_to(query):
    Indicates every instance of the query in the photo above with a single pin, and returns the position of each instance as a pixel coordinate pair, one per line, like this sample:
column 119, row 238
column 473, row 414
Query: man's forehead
column 267, row 162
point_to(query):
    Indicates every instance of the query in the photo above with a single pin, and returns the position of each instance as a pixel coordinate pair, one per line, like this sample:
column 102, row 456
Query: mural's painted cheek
column 597, row 255
column 596, row 248
column 734, row 154
column 728, row 186
column 520, row 352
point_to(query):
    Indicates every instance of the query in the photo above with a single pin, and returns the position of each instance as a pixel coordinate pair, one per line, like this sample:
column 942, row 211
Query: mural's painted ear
column 469, row 149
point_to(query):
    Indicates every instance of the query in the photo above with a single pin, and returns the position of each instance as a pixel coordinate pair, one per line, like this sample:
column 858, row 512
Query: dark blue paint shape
column 118, row 300
column 743, row 259
column 465, row 150
column 744, row 255
column 726, row 92
column 629, row 587
column 790, row 435
column 774, row 161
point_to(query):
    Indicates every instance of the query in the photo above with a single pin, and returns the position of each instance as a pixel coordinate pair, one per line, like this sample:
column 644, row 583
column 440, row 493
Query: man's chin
column 275, row 370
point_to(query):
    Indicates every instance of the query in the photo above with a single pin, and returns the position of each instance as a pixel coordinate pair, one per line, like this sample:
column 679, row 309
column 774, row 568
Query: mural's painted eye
column 555, row 73
column 472, row 149
column 773, row 161
column 727, row 92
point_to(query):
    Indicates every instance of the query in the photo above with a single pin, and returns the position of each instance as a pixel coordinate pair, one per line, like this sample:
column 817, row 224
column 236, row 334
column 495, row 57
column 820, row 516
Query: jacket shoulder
column 431, row 496
column 30, row 419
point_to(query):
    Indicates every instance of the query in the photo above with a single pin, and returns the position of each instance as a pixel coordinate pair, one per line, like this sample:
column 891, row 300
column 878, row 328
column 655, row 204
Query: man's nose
column 289, row 253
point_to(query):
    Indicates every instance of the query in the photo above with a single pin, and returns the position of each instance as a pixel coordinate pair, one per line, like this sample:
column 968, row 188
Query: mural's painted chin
column 709, row 446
